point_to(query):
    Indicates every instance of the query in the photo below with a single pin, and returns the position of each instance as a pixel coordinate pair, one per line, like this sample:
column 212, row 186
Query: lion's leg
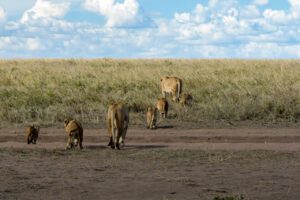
column 150, row 125
column 124, row 132
column 69, row 145
column 153, row 122
column 111, row 143
column 117, row 144
column 79, row 145
column 28, row 139
column 34, row 139
column 174, row 96
column 114, row 136
column 163, row 93
column 80, row 139
column 148, row 122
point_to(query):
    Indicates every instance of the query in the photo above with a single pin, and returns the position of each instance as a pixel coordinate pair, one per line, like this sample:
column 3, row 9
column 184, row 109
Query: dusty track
column 204, row 139
column 155, row 164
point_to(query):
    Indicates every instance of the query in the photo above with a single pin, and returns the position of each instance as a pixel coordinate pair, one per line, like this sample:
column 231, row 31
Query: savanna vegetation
column 47, row 91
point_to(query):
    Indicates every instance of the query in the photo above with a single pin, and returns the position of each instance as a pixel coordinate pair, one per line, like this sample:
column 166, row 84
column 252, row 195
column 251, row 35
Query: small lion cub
column 186, row 100
column 32, row 134
column 151, row 117
column 75, row 133
column 162, row 106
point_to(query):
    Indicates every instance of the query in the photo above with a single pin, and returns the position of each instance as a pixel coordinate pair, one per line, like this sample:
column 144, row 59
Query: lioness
column 186, row 100
column 75, row 133
column 162, row 106
column 117, row 124
column 171, row 85
column 151, row 117
column 32, row 134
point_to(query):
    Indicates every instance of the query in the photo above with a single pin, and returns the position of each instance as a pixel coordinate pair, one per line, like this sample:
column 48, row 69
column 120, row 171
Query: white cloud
column 261, row 2
column 295, row 8
column 126, row 14
column 182, row 17
column 276, row 16
column 13, row 43
column 33, row 44
column 45, row 9
column 219, row 29
column 250, row 12
column 269, row 50
column 2, row 14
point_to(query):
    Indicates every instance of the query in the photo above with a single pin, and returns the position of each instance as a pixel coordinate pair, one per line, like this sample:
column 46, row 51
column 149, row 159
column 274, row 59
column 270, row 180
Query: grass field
column 47, row 91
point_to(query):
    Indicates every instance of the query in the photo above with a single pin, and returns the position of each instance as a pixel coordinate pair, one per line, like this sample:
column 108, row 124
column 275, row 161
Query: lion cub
column 162, row 106
column 75, row 133
column 151, row 117
column 32, row 134
column 186, row 100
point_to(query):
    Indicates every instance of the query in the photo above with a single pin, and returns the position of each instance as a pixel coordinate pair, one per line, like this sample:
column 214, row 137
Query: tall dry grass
column 47, row 91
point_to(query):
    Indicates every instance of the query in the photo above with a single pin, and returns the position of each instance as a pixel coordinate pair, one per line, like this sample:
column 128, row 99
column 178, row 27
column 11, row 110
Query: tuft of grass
column 47, row 91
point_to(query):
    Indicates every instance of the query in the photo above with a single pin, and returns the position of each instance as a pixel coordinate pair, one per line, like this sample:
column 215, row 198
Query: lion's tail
column 113, row 122
column 179, row 88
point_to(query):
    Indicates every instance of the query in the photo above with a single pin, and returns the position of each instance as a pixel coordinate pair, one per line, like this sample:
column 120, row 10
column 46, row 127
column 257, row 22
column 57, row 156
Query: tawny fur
column 186, row 100
column 75, row 132
column 117, row 124
column 151, row 117
column 171, row 85
column 162, row 106
column 32, row 134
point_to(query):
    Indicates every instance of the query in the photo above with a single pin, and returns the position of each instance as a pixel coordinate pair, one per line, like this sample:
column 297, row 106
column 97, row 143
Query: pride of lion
column 118, row 117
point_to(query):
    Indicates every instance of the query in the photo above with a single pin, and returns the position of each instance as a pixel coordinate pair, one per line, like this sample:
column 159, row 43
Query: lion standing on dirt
column 151, row 117
column 75, row 133
column 162, row 106
column 171, row 85
column 117, row 124
column 32, row 134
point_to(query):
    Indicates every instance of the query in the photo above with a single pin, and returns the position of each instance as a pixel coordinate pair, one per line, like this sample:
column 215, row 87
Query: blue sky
column 150, row 29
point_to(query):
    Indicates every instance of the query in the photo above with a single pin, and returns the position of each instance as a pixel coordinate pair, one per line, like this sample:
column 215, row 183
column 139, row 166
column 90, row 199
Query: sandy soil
column 155, row 164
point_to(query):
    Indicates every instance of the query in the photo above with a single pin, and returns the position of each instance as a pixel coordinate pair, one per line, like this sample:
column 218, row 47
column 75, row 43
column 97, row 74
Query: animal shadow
column 96, row 146
column 165, row 127
column 144, row 146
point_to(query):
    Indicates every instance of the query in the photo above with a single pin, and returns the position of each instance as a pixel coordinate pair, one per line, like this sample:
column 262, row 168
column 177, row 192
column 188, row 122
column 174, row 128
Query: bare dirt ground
column 165, row 163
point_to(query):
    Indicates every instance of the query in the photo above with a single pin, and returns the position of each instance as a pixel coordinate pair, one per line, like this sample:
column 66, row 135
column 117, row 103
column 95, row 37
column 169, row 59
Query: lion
column 117, row 124
column 151, row 117
column 162, row 106
column 75, row 133
column 32, row 134
column 186, row 100
column 171, row 85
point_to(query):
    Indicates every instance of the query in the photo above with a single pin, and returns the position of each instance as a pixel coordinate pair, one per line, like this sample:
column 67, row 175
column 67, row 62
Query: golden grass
column 47, row 91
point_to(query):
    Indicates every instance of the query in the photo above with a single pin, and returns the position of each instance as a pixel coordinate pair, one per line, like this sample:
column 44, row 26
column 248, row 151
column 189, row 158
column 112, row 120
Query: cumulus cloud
column 250, row 12
column 261, row 2
column 33, row 44
column 276, row 16
column 2, row 14
column 14, row 43
column 126, row 14
column 218, row 29
column 45, row 9
column 295, row 8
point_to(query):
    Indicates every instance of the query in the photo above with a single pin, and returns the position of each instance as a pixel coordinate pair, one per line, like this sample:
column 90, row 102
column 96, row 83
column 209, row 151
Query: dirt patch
column 158, row 164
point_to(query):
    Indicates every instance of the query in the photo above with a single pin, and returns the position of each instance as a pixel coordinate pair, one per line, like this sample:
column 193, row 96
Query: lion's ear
column 66, row 121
